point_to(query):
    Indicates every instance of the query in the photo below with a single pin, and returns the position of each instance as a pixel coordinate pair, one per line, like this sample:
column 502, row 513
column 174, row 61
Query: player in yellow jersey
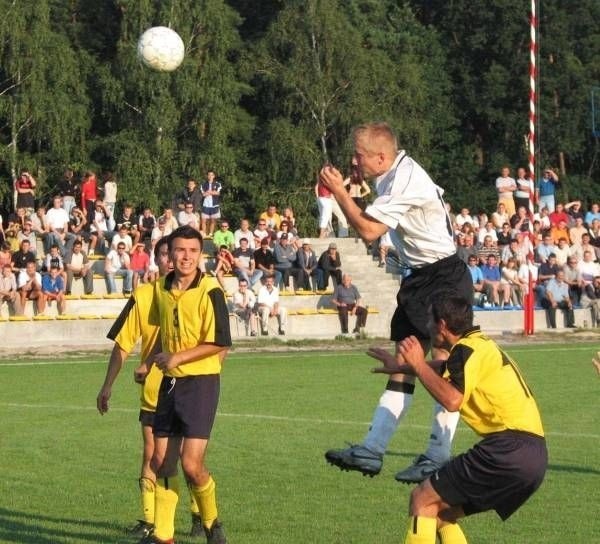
column 484, row 384
column 130, row 326
column 190, row 310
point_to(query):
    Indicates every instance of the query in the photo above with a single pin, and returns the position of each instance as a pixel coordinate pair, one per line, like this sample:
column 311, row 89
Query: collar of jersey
column 170, row 277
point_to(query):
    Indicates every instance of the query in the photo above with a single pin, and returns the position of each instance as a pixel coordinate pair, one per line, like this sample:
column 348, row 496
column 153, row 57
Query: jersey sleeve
column 126, row 329
column 216, row 320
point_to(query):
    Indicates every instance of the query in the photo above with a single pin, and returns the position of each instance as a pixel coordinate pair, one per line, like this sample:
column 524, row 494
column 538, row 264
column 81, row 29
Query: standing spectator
column 89, row 193
column 211, row 205
column 244, row 232
column 53, row 289
column 265, row 264
column 331, row 266
column 117, row 263
column 8, row 291
column 285, row 261
column 268, row 306
column 140, row 264
column 546, row 190
column 522, row 192
column 67, row 189
column 224, row 237
column 78, row 265
column 346, row 298
column 24, row 187
column 191, row 194
column 244, row 266
column 306, row 261
column 506, row 187
column 244, row 303
column 57, row 221
column 110, row 192
column 325, row 205
column 29, row 285
column 556, row 295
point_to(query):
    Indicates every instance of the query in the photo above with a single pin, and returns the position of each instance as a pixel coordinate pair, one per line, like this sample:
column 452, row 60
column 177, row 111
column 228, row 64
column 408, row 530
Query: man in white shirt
column 29, row 284
column 57, row 221
column 78, row 266
column 244, row 301
column 117, row 263
column 244, row 232
column 410, row 207
column 506, row 186
column 188, row 216
column 122, row 236
column 268, row 306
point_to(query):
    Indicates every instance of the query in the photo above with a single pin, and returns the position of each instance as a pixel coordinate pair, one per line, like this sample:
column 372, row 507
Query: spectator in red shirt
column 559, row 215
column 89, row 193
column 140, row 264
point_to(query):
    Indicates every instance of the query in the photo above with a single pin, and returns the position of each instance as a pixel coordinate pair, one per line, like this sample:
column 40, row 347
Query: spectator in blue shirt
column 546, row 190
column 53, row 288
column 477, row 277
column 557, row 296
column 491, row 282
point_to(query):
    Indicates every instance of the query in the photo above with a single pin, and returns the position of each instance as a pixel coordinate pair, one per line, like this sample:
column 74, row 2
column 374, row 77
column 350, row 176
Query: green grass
column 70, row 476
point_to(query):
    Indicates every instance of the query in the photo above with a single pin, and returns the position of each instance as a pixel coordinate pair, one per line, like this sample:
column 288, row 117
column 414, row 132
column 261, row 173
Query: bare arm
column 167, row 361
column 117, row 359
column 368, row 228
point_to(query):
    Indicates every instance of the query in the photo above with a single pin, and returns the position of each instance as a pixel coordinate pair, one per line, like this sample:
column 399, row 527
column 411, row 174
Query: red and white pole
column 530, row 298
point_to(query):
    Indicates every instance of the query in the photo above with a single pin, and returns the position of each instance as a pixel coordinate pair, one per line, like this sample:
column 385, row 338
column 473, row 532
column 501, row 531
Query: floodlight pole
column 528, row 315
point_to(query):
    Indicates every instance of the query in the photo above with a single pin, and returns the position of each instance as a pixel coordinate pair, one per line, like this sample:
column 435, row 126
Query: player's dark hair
column 162, row 241
column 454, row 309
column 186, row 232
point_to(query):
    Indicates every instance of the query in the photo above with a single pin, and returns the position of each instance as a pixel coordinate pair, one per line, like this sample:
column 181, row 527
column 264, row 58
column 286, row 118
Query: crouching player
column 484, row 384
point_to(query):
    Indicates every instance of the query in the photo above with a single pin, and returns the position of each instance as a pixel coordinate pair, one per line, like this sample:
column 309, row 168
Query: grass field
column 70, row 476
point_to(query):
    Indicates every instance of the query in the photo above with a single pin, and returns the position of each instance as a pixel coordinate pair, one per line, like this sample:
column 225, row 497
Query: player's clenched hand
column 390, row 364
column 412, row 352
column 165, row 361
column 102, row 400
column 140, row 373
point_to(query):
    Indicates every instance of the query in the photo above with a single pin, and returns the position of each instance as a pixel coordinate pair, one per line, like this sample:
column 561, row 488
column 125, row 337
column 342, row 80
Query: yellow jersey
column 189, row 318
column 131, row 325
column 495, row 395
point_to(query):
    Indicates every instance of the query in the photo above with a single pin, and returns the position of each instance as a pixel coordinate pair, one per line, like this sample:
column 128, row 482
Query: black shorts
column 499, row 473
column 146, row 418
column 417, row 291
column 187, row 406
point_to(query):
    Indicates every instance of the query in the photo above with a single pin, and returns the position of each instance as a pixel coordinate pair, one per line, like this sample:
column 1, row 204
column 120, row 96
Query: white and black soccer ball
column 161, row 49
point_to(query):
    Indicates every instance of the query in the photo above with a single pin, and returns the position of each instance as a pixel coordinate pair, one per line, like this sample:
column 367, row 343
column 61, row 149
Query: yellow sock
column 147, row 492
column 421, row 530
column 167, row 494
column 451, row 534
column 206, row 499
column 194, row 509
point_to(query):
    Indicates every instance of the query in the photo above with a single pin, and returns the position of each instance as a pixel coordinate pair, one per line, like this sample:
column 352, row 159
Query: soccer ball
column 161, row 49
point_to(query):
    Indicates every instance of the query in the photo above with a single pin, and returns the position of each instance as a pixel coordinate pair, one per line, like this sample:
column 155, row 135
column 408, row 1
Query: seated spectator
column 264, row 261
column 268, row 306
column 288, row 216
column 140, row 264
column 594, row 213
column 504, row 236
column 285, row 261
column 57, row 221
column 544, row 218
column 559, row 231
column 78, row 225
column 118, row 264
column 591, row 299
column 5, row 254
column 346, row 298
column 53, row 289
column 292, row 238
column 29, row 285
column 22, row 257
column 224, row 237
column 486, row 249
column 585, row 245
column 500, row 216
column 224, row 262
column 487, row 230
column 594, row 232
column 545, row 249
column 306, row 261
column 127, row 218
column 8, row 291
column 169, row 221
column 588, row 269
column 479, row 291
column 188, row 216
column 562, row 252
column 159, row 231
column 99, row 231
column 558, row 215
column 519, row 222
column 244, row 304
column 54, row 258
column 146, row 224
column 78, row 266
column 512, row 284
column 574, row 211
column 491, row 282
column 244, row 232
column 556, row 295
column 573, row 279
column 330, row 265
column 515, row 251
column 27, row 233
column 243, row 265
column 261, row 233
column 465, row 217
column 465, row 246
column 122, row 236
column 546, row 271
column 271, row 218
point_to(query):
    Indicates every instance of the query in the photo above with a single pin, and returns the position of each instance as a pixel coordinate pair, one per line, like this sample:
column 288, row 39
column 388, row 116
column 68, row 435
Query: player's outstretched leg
column 368, row 456
column 443, row 428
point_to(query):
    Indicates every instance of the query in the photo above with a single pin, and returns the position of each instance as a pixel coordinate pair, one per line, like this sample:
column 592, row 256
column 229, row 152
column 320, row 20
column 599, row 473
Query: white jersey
column 411, row 205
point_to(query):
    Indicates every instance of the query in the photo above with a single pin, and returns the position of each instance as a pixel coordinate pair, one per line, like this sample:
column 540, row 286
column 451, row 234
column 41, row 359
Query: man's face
column 76, row 248
column 164, row 261
column 346, row 281
column 243, row 286
column 210, row 176
column 25, row 246
column 7, row 271
column 30, row 269
column 505, row 172
column 491, row 261
column 224, row 226
column 269, row 283
column 472, row 261
column 57, row 202
column 185, row 254
column 244, row 243
column 271, row 210
column 189, row 208
column 53, row 272
column 244, row 224
column 262, row 225
column 369, row 163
